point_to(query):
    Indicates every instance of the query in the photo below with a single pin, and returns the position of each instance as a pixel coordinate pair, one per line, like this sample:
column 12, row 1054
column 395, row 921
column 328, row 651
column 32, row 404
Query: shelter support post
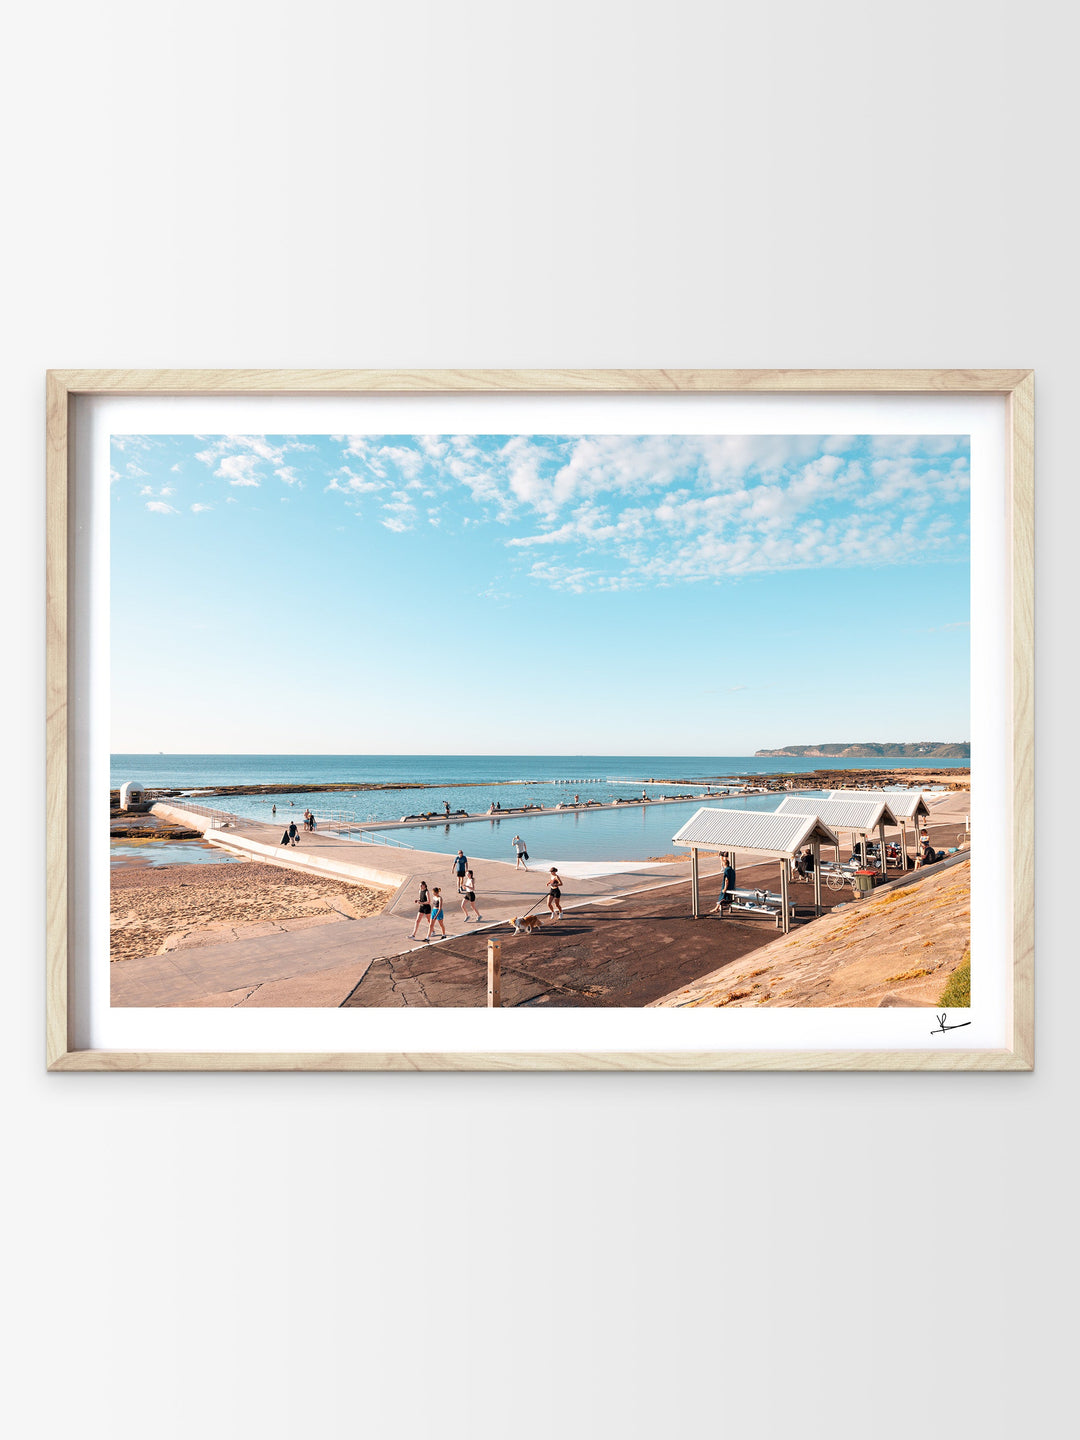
column 785, row 866
column 881, row 847
column 817, row 875
column 694, row 881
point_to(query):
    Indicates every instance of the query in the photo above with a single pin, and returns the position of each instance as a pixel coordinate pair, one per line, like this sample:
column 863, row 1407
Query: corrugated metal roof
column 903, row 803
column 862, row 812
column 711, row 829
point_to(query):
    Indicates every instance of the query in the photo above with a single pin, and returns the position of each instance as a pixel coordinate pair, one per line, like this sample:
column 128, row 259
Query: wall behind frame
column 586, row 184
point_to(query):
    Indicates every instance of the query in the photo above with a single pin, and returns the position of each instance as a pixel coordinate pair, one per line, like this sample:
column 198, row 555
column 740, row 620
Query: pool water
column 633, row 832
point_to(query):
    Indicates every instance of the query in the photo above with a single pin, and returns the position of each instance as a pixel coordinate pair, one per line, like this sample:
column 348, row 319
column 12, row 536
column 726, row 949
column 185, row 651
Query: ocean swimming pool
column 633, row 832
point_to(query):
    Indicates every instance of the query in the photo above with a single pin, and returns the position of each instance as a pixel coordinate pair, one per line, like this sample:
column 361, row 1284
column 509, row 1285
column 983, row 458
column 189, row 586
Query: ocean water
column 441, row 771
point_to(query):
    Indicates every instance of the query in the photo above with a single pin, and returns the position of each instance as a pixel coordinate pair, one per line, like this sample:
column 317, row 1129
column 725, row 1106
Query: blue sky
column 537, row 594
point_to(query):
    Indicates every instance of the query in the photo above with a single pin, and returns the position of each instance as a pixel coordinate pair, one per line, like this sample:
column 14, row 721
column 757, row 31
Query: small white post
column 785, row 865
column 816, row 847
column 694, row 881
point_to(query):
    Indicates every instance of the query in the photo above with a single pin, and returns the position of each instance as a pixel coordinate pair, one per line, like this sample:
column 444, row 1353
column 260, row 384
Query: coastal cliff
column 872, row 749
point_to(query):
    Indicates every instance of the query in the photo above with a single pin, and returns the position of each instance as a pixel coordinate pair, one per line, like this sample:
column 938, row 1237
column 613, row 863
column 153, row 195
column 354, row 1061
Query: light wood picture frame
column 66, row 387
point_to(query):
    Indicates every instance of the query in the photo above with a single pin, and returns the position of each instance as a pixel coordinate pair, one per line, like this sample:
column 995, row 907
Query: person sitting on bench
column 927, row 854
column 727, row 885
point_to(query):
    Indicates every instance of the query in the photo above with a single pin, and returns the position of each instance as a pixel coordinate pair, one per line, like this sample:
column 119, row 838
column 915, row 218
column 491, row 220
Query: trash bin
column 864, row 881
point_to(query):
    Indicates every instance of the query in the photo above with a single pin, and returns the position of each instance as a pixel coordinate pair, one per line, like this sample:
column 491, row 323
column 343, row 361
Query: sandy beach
column 174, row 907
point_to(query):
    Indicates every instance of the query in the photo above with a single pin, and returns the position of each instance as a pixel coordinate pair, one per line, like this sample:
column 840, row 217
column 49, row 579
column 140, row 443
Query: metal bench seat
column 760, row 902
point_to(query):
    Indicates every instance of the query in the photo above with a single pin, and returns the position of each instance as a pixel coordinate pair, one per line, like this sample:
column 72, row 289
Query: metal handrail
column 222, row 819
column 376, row 837
column 337, row 821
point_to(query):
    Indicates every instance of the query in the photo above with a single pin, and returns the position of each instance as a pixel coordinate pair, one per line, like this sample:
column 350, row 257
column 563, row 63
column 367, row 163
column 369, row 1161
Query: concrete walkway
column 321, row 967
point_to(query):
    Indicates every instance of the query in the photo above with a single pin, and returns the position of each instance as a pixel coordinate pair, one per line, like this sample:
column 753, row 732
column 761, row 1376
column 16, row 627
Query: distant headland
column 894, row 749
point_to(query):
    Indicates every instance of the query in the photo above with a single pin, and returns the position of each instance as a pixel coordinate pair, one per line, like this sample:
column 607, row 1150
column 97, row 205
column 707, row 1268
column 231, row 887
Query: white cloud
column 239, row 469
column 240, row 459
column 612, row 511
column 197, row 508
column 408, row 462
column 137, row 443
column 159, row 507
column 349, row 482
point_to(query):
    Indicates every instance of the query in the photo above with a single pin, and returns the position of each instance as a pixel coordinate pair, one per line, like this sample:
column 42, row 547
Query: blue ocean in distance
column 464, row 769
column 444, row 770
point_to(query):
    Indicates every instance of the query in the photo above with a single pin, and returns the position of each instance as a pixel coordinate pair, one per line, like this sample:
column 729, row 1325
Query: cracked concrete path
column 322, row 966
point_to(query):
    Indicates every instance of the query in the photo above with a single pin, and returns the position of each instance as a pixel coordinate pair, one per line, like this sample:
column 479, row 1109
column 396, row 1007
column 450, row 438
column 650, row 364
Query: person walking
column 522, row 853
column 446, row 807
column 459, row 868
column 436, row 913
column 311, row 813
column 469, row 897
column 555, row 894
column 307, row 819
column 423, row 909
column 294, row 833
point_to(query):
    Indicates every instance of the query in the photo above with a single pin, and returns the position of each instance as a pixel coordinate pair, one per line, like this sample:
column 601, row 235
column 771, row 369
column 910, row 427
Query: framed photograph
column 516, row 720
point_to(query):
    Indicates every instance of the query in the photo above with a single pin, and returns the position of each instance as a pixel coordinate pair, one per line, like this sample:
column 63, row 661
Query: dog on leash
column 530, row 922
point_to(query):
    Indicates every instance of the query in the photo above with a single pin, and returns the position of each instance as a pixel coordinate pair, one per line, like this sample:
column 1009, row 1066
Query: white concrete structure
column 131, row 793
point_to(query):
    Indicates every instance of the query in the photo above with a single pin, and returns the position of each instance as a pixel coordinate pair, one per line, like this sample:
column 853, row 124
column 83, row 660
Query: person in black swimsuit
column 423, row 909
column 468, row 900
column 555, row 894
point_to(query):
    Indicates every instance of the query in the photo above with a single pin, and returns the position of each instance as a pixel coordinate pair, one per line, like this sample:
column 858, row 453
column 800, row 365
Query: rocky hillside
column 899, row 948
column 875, row 749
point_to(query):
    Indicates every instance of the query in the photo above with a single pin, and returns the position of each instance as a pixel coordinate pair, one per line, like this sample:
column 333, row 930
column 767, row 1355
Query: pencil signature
column 942, row 1027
